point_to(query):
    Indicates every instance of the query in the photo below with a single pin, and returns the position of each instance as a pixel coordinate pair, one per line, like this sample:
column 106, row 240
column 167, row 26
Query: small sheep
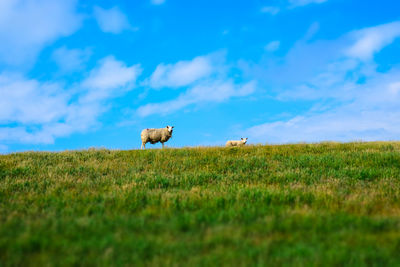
column 240, row 142
column 156, row 135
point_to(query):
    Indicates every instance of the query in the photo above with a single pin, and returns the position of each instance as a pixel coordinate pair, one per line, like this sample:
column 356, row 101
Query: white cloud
column 215, row 91
column 270, row 10
column 320, row 86
column 347, row 123
column 157, row 2
column 181, row 73
column 394, row 88
column 28, row 101
column 371, row 40
column 70, row 60
column 110, row 79
column 111, row 74
column 272, row 46
column 312, row 30
column 37, row 112
column 28, row 26
column 296, row 3
column 345, row 108
column 369, row 112
column 309, row 61
column 111, row 20
column 206, row 79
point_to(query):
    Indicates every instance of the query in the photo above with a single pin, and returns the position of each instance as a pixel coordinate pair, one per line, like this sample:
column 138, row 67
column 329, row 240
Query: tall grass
column 303, row 204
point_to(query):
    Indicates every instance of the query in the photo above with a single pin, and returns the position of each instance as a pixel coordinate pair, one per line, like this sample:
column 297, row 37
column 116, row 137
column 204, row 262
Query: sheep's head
column 244, row 140
column 169, row 128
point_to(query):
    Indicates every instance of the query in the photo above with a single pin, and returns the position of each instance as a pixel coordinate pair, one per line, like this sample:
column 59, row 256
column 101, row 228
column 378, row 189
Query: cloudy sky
column 79, row 74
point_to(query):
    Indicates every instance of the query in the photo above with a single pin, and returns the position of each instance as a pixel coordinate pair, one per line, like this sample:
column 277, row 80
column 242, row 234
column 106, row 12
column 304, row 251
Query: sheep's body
column 153, row 136
column 231, row 143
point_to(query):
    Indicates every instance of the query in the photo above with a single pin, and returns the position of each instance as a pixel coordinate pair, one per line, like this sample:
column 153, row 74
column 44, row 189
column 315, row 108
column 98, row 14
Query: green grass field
column 304, row 204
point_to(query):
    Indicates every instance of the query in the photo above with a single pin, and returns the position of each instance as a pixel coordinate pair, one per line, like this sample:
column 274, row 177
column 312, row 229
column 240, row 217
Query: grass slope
column 318, row 204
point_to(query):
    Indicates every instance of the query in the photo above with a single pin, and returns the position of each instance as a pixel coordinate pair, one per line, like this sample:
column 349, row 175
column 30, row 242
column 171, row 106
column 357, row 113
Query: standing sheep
column 240, row 142
column 156, row 135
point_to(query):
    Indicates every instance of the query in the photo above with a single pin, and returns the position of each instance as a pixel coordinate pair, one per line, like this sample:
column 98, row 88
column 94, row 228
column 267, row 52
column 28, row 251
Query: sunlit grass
column 301, row 204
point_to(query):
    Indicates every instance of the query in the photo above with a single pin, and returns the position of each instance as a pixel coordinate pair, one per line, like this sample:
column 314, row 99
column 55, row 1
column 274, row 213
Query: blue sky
column 80, row 74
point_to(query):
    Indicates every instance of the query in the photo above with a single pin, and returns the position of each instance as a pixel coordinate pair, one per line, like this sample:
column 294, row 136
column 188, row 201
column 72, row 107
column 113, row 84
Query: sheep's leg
column 143, row 146
column 162, row 145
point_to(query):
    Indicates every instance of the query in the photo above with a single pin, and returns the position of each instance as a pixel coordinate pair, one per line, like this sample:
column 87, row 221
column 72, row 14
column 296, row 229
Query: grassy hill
column 320, row 204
